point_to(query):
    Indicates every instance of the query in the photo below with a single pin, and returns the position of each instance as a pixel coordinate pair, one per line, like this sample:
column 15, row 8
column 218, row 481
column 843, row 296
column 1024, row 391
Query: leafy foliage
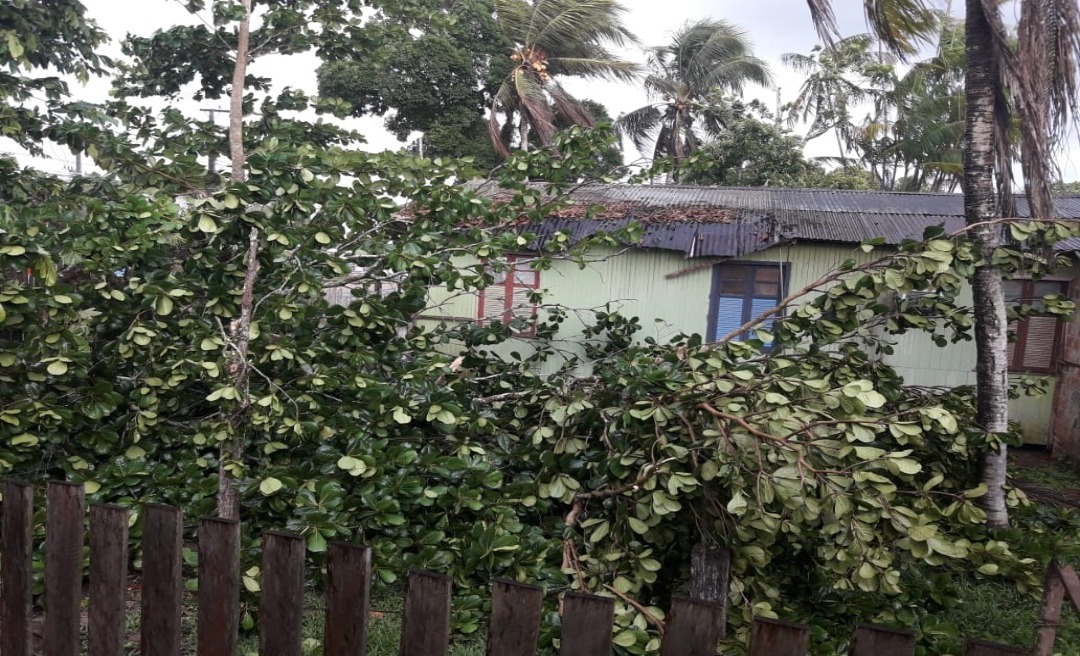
column 751, row 152
column 796, row 446
column 437, row 70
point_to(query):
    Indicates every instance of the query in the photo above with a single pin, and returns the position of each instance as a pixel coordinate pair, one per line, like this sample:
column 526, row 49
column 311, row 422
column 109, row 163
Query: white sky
column 775, row 26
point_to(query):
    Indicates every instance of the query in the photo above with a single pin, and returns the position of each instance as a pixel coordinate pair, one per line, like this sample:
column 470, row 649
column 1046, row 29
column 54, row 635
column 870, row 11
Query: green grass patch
column 997, row 611
column 1054, row 475
column 384, row 631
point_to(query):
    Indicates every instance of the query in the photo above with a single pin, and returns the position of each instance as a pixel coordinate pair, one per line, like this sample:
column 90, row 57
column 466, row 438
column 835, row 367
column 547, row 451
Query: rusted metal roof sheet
column 733, row 221
column 695, row 239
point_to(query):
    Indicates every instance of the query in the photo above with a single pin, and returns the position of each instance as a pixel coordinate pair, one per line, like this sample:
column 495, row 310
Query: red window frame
column 510, row 283
column 1018, row 348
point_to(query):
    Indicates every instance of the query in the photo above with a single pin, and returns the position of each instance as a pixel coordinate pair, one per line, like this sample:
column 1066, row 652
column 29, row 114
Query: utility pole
column 212, row 163
column 78, row 163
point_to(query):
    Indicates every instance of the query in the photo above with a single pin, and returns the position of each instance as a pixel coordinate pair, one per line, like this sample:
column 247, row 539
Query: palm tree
column 551, row 38
column 832, row 88
column 704, row 59
column 930, row 123
column 1040, row 73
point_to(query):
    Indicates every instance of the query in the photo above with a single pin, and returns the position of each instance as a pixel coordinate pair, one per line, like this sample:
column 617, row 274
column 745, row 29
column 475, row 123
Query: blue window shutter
column 729, row 315
column 759, row 306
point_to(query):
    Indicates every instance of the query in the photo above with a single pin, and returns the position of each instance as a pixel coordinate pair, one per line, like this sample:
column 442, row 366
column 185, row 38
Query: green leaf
column 270, row 485
column 57, row 368
column 400, row 416
column 207, row 224
column 316, row 542
column 230, row 201
column 26, row 439
column 322, row 237
column 164, row 305
column 638, row 526
column 737, row 505
column 627, row 638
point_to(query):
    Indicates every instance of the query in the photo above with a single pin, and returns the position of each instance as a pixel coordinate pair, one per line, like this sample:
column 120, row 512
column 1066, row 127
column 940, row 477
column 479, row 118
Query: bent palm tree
column 703, row 57
column 1041, row 75
column 552, row 38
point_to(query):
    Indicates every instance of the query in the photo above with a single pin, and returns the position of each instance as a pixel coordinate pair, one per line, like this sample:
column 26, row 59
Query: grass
column 996, row 611
column 384, row 631
column 1055, row 475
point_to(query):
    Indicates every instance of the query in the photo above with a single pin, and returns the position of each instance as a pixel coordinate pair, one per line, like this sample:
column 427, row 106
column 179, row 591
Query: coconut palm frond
column 1045, row 87
column 665, row 142
column 559, row 37
column 798, row 62
column 657, row 86
column 595, row 67
column 640, row 126
column 504, row 101
column 902, row 24
column 533, row 105
column 570, row 109
column 558, row 22
column 733, row 74
column 821, row 13
column 514, row 18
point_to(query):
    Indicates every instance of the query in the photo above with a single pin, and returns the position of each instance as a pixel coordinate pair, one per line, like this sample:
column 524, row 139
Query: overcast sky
column 775, row 27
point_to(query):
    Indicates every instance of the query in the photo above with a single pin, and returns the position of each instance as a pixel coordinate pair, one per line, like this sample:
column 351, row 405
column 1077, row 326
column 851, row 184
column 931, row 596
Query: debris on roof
column 734, row 221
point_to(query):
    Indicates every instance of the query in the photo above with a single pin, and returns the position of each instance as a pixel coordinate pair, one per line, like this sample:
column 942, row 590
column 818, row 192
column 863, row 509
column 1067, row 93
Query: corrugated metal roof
column 733, row 221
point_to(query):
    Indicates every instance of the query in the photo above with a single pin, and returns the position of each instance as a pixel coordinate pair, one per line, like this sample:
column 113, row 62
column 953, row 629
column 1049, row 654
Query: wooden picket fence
column 692, row 628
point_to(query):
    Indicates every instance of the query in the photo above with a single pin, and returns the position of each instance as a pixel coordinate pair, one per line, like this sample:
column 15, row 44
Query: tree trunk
column 980, row 206
column 523, row 133
column 232, row 450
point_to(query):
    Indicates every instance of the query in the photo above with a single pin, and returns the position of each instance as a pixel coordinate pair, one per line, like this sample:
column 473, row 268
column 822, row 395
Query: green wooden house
column 713, row 258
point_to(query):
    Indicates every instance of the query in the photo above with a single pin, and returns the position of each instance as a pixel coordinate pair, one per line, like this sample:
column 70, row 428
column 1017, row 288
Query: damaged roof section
column 735, row 221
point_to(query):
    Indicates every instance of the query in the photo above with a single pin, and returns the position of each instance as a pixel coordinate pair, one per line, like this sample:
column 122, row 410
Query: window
column 742, row 292
column 1037, row 340
column 509, row 296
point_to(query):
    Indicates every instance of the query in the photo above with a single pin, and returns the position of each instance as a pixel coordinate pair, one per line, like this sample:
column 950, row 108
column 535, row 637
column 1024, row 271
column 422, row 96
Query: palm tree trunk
column 523, row 133
column 981, row 207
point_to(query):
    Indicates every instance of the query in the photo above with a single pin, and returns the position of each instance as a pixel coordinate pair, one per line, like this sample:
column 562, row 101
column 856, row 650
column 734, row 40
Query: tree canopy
column 135, row 295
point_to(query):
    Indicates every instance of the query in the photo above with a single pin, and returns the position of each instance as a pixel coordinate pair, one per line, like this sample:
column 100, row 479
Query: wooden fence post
column 348, row 579
column 64, row 537
column 108, row 579
column 586, row 625
column 162, row 585
column 219, row 586
column 515, row 619
column 872, row 640
column 16, row 556
column 693, row 628
column 425, row 623
column 1072, row 584
column 281, row 603
column 710, row 569
column 769, row 637
column 1050, row 614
